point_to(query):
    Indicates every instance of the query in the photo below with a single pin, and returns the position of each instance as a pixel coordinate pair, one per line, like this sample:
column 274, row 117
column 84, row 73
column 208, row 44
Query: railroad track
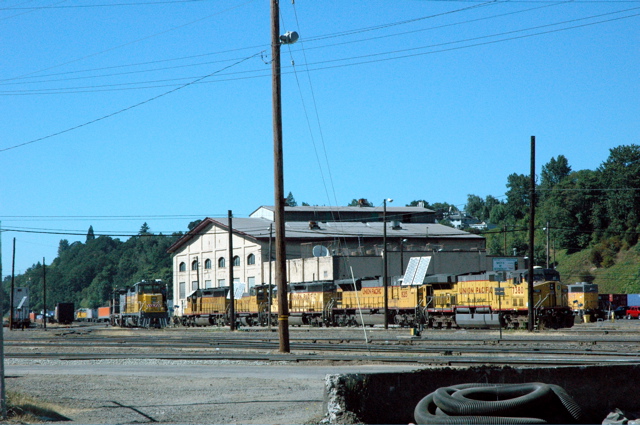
column 433, row 348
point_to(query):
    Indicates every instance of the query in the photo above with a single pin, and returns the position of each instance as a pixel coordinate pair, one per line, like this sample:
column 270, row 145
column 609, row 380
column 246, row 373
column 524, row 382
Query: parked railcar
column 144, row 304
column 20, row 308
column 441, row 301
column 85, row 315
column 64, row 313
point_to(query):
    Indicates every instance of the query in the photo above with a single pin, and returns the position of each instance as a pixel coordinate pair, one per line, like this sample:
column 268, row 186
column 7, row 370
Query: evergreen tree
column 290, row 201
column 90, row 235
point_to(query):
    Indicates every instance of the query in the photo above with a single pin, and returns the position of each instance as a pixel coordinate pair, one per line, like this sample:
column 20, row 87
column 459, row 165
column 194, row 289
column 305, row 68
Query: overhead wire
column 132, row 42
column 127, row 108
column 352, row 60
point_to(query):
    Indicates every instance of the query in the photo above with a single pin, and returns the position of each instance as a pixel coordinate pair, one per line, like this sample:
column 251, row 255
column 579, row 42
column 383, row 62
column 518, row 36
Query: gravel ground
column 116, row 392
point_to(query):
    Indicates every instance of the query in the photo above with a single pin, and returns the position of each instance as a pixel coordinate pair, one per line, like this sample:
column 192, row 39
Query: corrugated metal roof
column 390, row 209
column 258, row 228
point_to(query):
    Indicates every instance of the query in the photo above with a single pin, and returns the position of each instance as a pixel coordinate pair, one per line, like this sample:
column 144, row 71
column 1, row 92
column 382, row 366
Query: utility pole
column 385, row 278
column 532, row 212
column 13, row 275
column 270, row 274
column 232, row 305
column 44, row 294
column 281, row 250
column 547, row 228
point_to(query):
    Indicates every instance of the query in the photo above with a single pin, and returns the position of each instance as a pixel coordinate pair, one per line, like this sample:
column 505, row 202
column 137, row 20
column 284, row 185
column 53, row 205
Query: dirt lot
column 177, row 391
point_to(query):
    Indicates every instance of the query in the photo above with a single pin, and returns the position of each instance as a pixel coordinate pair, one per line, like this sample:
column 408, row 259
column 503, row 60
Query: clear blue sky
column 405, row 99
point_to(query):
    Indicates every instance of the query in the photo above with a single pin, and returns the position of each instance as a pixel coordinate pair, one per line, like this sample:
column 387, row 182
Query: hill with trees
column 86, row 273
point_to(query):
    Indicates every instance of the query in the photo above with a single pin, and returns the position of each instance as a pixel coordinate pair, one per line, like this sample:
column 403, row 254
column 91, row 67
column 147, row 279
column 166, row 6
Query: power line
column 127, row 108
column 360, row 60
column 85, row 6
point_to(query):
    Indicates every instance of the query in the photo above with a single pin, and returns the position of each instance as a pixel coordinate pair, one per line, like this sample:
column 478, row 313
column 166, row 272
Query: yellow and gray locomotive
column 440, row 301
column 143, row 304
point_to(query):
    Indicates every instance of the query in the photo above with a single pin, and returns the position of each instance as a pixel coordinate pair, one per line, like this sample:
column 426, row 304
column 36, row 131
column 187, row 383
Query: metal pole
column 197, row 273
column 281, row 250
column 232, row 305
column 547, row 244
column 3, row 394
column 270, row 287
column 44, row 294
column 532, row 212
column 385, row 280
column 402, row 256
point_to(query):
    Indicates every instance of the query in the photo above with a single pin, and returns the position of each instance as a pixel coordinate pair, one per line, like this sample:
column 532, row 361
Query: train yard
column 103, row 374
column 592, row 343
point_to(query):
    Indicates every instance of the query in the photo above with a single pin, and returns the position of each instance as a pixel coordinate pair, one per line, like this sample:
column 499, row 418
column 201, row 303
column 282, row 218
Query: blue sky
column 408, row 100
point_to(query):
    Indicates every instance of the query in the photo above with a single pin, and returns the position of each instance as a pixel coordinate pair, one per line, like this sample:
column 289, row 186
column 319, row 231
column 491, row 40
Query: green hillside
column 623, row 276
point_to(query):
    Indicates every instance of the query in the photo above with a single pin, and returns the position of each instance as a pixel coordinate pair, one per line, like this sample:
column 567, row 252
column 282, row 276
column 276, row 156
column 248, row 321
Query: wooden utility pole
column 13, row 275
column 44, row 294
column 532, row 212
column 232, row 305
column 281, row 251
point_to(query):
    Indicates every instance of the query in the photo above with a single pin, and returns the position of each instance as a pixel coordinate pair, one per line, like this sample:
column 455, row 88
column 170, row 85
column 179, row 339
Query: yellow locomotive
column 143, row 304
column 442, row 301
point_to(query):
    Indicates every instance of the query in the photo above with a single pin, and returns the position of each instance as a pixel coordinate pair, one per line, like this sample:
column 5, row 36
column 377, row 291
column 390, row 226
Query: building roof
column 359, row 213
column 258, row 229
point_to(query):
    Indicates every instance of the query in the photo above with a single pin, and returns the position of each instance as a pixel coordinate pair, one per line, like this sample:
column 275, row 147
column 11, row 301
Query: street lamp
column 385, row 279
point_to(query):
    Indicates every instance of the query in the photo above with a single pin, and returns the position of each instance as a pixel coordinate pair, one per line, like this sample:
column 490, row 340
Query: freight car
column 64, row 313
column 445, row 301
column 20, row 311
column 141, row 305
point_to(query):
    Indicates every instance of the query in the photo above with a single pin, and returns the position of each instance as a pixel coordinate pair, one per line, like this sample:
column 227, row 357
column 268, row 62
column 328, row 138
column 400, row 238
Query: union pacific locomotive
column 441, row 301
column 143, row 304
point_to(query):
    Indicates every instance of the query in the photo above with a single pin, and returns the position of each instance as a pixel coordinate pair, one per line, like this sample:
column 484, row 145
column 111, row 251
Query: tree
column 144, row 229
column 290, row 201
column 90, row 235
column 620, row 175
column 517, row 196
column 475, row 206
column 193, row 224
column 62, row 247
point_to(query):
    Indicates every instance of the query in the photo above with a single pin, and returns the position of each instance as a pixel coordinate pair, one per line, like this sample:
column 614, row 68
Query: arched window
column 194, row 265
column 221, row 262
column 251, row 259
column 236, row 261
column 207, row 263
column 182, row 267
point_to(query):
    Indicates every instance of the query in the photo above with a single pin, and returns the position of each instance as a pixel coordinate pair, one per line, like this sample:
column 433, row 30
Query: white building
column 316, row 250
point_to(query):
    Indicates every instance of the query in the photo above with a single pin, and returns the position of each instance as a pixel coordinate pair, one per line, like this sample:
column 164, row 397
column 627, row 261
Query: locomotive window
column 207, row 263
column 182, row 267
column 221, row 262
column 251, row 259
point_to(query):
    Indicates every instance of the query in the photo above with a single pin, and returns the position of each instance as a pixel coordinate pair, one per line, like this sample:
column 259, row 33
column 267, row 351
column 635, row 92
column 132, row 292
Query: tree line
column 86, row 273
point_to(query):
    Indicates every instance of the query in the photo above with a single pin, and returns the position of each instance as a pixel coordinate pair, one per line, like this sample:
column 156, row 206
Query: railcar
column 489, row 300
column 143, row 304
column 583, row 300
column 482, row 300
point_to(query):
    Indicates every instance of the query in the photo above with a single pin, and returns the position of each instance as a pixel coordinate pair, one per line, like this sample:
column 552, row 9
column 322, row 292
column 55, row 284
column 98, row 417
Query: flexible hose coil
column 529, row 403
